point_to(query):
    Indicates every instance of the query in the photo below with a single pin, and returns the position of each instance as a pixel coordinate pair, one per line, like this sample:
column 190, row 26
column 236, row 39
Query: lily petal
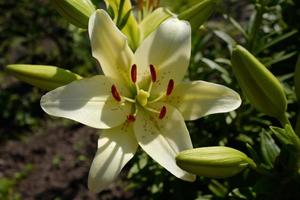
column 88, row 101
column 109, row 46
column 163, row 138
column 168, row 48
column 116, row 147
column 199, row 98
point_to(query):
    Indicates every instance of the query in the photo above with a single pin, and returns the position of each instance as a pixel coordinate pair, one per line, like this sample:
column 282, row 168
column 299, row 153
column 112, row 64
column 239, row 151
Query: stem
column 284, row 120
column 295, row 138
column 255, row 27
column 261, row 170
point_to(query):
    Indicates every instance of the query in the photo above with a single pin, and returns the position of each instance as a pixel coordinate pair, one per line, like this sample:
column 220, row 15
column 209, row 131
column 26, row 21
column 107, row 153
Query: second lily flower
column 140, row 101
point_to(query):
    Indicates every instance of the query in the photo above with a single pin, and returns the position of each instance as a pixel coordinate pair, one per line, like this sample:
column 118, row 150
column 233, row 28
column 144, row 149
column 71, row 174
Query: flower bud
column 153, row 20
column 199, row 13
column 77, row 12
column 260, row 86
column 42, row 76
column 122, row 14
column 213, row 162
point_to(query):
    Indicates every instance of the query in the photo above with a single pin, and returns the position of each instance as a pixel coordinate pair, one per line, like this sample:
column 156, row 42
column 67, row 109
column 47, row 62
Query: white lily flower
column 140, row 101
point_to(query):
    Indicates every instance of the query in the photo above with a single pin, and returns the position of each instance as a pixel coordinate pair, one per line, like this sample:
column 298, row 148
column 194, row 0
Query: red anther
column 130, row 118
column 115, row 93
column 170, row 87
column 163, row 112
column 133, row 73
column 153, row 73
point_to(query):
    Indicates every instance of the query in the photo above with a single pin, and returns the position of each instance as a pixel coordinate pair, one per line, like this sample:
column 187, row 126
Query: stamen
column 133, row 73
column 131, row 118
column 170, row 87
column 153, row 73
column 115, row 93
column 152, row 110
column 163, row 112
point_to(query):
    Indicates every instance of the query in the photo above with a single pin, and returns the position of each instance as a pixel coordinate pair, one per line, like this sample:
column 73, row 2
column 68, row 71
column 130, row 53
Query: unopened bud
column 77, row 12
column 213, row 162
column 42, row 76
column 260, row 86
column 199, row 13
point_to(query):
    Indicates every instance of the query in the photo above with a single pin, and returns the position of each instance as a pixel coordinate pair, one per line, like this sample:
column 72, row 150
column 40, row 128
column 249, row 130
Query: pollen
column 153, row 73
column 170, row 87
column 163, row 112
column 130, row 118
column 115, row 93
column 133, row 73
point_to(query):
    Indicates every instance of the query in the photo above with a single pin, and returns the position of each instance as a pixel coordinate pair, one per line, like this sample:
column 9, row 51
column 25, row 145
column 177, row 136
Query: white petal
column 168, row 48
column 163, row 138
column 88, row 101
column 115, row 148
column 109, row 46
column 199, row 98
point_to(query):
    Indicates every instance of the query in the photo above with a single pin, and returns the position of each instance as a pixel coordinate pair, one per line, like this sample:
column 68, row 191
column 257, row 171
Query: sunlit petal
column 109, row 46
column 115, row 148
column 168, row 49
column 163, row 138
column 199, row 98
column 88, row 101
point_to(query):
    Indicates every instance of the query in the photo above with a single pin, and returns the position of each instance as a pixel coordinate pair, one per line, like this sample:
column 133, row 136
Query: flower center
column 142, row 96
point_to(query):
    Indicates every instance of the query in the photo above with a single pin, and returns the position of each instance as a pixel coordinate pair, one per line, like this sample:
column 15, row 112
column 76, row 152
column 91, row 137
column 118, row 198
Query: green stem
column 284, row 120
column 261, row 170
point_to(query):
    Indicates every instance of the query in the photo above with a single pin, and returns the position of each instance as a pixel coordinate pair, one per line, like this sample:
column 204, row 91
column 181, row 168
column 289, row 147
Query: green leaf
column 238, row 26
column 297, row 79
column 269, row 148
column 226, row 38
column 276, row 40
column 217, row 188
column 287, row 136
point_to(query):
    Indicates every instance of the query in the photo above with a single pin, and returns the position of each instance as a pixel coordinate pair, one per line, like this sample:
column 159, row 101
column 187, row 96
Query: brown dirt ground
column 61, row 158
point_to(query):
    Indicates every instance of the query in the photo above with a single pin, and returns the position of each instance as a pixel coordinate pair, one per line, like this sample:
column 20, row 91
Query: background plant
column 34, row 33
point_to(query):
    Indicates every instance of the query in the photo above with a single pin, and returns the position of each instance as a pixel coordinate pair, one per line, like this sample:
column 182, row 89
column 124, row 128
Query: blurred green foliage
column 7, row 184
column 34, row 33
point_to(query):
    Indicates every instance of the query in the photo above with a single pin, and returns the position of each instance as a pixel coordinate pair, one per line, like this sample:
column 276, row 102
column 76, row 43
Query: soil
column 60, row 158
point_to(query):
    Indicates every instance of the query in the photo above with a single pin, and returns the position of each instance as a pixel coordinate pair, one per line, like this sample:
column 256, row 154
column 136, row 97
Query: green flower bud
column 213, row 162
column 77, row 12
column 122, row 14
column 260, row 86
column 199, row 13
column 153, row 20
column 42, row 76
